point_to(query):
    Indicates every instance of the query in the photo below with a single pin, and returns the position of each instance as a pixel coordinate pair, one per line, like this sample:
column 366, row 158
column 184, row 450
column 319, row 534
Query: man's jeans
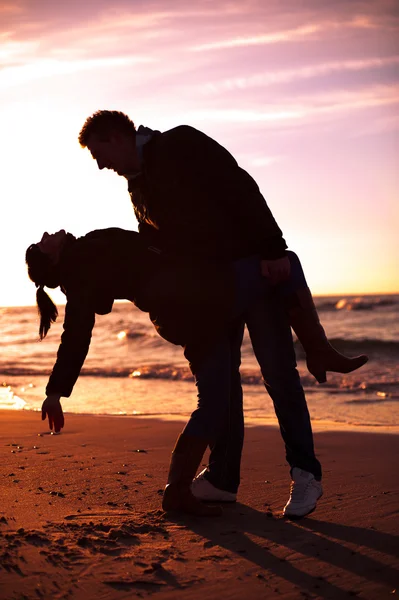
column 219, row 415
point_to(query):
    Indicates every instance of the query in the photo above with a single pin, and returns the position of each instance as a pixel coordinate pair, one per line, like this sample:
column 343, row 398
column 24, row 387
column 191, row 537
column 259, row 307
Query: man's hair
column 102, row 123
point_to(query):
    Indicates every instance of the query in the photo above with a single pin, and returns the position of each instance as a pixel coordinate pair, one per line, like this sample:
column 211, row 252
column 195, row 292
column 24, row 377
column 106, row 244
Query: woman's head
column 51, row 244
column 42, row 260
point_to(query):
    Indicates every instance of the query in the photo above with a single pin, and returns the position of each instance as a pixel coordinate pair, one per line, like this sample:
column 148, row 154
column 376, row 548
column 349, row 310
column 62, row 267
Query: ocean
column 130, row 370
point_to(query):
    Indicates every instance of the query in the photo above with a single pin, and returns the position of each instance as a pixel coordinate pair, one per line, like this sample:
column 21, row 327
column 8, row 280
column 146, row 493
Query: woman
column 198, row 306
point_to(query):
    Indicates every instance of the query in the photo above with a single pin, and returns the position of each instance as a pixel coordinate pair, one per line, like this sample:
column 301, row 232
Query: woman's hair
column 47, row 310
column 43, row 273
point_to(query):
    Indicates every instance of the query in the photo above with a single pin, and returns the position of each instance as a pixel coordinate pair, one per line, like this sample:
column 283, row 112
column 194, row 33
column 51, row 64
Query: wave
column 346, row 345
column 382, row 388
column 357, row 303
column 350, row 346
column 381, row 351
column 157, row 371
column 386, row 348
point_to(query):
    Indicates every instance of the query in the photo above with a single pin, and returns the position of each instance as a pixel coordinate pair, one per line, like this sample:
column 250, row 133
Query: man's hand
column 52, row 408
column 276, row 270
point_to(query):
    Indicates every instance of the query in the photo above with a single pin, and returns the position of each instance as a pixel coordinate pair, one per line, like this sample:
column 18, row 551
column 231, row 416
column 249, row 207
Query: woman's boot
column 320, row 355
column 186, row 458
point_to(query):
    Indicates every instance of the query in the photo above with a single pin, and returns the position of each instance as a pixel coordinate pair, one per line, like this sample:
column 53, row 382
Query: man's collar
column 143, row 135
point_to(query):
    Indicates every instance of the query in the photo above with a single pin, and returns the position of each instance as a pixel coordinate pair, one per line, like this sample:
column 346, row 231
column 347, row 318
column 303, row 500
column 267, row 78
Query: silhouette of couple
column 209, row 258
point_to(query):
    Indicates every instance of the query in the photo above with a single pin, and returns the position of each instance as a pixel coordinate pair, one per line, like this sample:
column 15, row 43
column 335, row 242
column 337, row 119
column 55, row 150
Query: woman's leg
column 223, row 471
column 304, row 320
column 211, row 369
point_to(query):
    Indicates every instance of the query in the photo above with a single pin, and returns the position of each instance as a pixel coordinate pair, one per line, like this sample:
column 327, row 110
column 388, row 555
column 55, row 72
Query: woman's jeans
column 219, row 414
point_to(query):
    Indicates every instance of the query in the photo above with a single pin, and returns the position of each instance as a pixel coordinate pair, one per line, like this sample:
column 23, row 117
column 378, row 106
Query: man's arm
column 207, row 197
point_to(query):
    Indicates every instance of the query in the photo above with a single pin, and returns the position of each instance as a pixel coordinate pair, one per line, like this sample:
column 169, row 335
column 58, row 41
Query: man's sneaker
column 304, row 494
column 205, row 490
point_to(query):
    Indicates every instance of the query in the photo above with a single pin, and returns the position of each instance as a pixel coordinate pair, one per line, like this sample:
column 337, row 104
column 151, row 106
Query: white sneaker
column 304, row 494
column 205, row 490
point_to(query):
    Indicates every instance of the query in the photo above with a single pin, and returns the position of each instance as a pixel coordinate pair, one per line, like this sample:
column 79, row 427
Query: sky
column 305, row 95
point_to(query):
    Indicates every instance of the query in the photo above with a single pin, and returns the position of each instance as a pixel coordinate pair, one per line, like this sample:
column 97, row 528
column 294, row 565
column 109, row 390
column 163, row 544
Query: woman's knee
column 297, row 276
column 208, row 424
column 294, row 259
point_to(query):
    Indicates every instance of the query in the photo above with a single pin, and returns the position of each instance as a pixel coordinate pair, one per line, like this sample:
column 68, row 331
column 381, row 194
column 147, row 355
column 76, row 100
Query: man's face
column 117, row 153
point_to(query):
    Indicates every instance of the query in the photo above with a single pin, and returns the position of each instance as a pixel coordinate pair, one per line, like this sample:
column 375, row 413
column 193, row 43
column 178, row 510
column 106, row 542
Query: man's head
column 111, row 138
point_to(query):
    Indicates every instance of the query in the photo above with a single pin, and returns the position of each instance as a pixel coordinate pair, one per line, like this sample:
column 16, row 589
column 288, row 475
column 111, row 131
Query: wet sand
column 80, row 517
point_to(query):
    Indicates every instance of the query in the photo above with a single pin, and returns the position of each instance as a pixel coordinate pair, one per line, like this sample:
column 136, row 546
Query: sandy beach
column 80, row 517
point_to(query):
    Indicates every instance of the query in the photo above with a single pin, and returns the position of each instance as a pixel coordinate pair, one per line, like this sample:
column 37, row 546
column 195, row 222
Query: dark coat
column 187, row 301
column 192, row 198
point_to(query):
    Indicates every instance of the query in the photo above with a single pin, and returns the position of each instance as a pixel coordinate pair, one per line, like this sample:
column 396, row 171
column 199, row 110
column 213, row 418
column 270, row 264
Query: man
column 191, row 198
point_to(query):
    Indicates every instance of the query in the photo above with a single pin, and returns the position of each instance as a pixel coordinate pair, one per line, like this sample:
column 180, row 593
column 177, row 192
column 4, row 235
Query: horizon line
column 314, row 296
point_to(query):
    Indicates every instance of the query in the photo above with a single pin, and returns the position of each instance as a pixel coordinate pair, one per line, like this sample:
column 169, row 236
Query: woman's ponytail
column 43, row 273
column 47, row 310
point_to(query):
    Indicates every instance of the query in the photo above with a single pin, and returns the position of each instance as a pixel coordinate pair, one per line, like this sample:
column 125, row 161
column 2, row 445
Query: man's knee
column 280, row 372
column 287, row 383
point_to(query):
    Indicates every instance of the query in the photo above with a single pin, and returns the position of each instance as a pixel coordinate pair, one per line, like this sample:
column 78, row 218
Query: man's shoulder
column 185, row 141
column 181, row 132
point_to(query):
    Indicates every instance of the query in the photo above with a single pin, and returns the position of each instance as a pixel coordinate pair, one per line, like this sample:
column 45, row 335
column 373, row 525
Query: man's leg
column 271, row 339
column 273, row 347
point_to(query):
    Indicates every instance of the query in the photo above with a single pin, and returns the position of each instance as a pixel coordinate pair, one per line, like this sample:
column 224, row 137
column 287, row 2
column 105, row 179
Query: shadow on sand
column 275, row 544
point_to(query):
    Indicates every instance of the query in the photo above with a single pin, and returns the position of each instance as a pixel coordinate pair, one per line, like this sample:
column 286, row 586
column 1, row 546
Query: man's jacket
column 193, row 199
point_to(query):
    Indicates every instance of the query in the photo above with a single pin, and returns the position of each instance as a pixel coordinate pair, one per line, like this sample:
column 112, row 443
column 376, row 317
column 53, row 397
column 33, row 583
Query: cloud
column 307, row 107
column 262, row 161
column 10, row 8
column 309, row 30
column 258, row 40
column 39, row 69
column 300, row 73
column 382, row 125
column 108, row 39
column 99, row 29
column 245, row 116
column 43, row 18
column 15, row 52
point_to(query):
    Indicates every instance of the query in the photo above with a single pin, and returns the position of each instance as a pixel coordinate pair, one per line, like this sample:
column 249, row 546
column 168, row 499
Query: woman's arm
column 75, row 342
column 52, row 408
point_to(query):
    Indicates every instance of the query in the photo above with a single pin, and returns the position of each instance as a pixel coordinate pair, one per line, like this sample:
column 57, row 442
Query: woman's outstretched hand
column 52, row 408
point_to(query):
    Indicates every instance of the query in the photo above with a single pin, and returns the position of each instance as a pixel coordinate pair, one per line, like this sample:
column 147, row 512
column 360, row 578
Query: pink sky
column 305, row 95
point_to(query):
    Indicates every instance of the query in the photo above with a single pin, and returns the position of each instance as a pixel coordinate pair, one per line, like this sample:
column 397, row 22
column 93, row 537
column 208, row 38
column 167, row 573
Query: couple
column 208, row 258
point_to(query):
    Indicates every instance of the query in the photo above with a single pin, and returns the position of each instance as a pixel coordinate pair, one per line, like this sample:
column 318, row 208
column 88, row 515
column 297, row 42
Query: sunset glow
column 305, row 95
